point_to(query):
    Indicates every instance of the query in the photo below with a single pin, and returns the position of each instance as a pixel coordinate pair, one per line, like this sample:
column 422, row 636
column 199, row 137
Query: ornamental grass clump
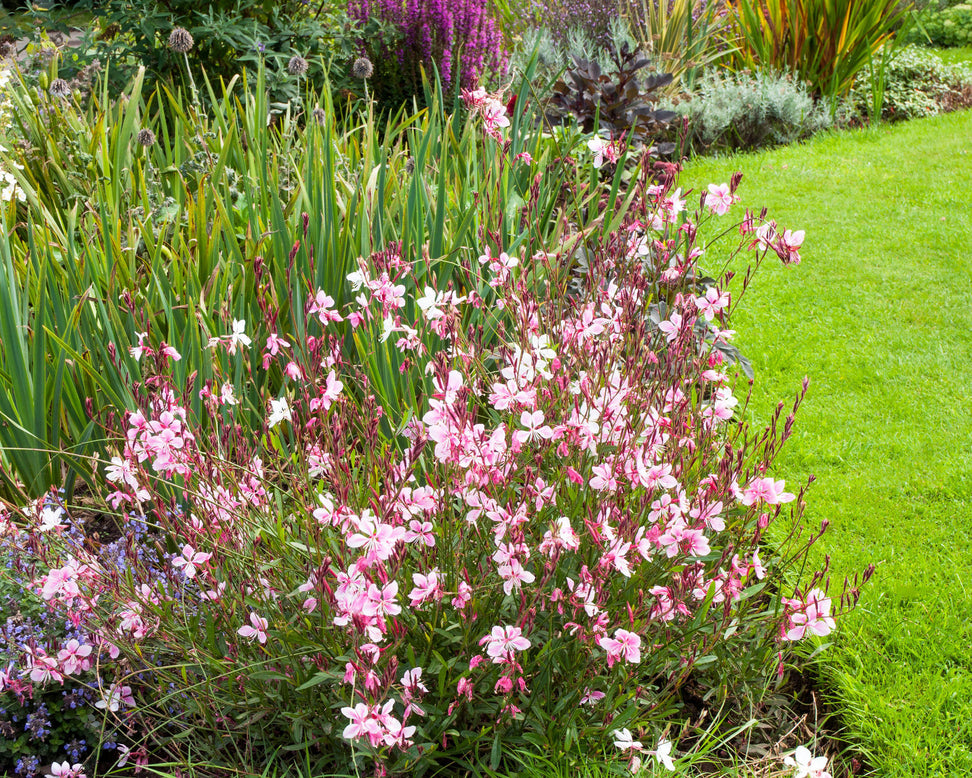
column 566, row 523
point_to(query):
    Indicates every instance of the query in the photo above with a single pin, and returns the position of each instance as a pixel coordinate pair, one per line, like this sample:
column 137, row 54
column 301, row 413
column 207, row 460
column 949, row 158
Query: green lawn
column 954, row 56
column 879, row 315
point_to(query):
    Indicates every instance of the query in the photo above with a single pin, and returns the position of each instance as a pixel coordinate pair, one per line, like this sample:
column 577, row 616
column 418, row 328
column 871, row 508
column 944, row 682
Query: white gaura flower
column 279, row 411
column 806, row 764
column 663, row 754
column 238, row 336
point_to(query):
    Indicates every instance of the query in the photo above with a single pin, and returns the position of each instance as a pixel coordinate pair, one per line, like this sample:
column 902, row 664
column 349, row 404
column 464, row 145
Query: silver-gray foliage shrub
column 750, row 110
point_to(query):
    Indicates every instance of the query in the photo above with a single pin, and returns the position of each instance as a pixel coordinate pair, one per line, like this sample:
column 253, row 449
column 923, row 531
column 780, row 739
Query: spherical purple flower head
column 180, row 40
column 297, row 66
column 362, row 68
column 59, row 88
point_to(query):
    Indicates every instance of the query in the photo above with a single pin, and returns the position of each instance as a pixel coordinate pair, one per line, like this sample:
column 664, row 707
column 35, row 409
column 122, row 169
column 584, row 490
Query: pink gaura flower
column 74, row 657
column 257, row 628
column 190, row 559
column 680, row 539
column 719, row 199
column 376, row 540
column 604, row 151
column 463, row 596
column 465, row 688
column 712, row 302
column 502, row 643
column 806, row 764
column 624, row 645
column 535, row 428
column 591, row 696
column 420, row 532
column 514, row 575
column 765, row 490
column 44, row 668
column 427, row 587
column 238, row 337
column 65, row 770
column 671, row 327
column 138, row 350
column 603, row 478
column 116, row 697
column 789, row 248
column 322, row 305
column 384, row 601
column 362, row 723
column 810, row 615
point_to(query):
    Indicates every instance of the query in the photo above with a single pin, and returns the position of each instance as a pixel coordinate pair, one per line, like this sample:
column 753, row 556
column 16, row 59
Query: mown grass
column 879, row 316
column 955, row 55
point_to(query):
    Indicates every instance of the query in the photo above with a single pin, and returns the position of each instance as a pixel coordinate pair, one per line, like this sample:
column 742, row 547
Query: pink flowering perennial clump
column 568, row 524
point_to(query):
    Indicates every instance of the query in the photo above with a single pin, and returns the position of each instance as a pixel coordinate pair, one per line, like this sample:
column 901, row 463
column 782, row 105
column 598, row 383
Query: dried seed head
column 320, row 115
column 410, row 165
column 59, row 88
column 362, row 68
column 145, row 137
column 180, row 41
column 297, row 65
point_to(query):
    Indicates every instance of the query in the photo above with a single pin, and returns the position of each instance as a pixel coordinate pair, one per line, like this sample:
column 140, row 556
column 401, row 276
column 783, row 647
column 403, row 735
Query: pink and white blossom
column 256, row 629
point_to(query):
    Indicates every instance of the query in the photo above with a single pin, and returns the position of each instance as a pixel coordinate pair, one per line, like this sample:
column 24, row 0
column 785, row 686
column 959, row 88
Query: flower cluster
column 568, row 496
column 460, row 38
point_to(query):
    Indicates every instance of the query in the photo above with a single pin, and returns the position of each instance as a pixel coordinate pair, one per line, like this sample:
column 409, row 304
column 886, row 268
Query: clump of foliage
column 555, row 55
column 43, row 722
column 395, row 490
column 745, row 111
column 225, row 37
column 618, row 102
column 950, row 26
column 824, row 42
column 683, row 37
column 917, row 83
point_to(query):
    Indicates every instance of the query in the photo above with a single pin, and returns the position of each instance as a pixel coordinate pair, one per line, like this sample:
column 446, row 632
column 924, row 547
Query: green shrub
column 226, row 35
column 749, row 110
column 917, row 84
column 949, row 27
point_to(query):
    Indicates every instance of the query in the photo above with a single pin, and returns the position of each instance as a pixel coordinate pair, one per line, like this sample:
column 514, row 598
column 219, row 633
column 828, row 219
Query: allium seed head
column 362, row 68
column 59, row 88
column 145, row 137
column 297, row 65
column 180, row 41
column 320, row 115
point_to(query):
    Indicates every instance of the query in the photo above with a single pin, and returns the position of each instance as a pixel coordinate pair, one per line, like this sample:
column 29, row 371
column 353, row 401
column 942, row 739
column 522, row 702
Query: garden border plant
column 555, row 472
